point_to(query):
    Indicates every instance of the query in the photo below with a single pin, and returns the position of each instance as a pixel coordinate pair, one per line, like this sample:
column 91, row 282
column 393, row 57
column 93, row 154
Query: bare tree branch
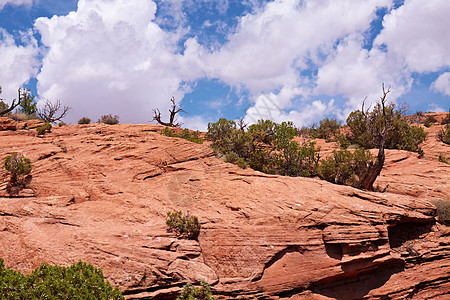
column 12, row 107
column 52, row 112
column 173, row 112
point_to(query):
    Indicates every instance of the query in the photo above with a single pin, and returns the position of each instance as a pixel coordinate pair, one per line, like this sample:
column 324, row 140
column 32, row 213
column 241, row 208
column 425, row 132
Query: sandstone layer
column 100, row 193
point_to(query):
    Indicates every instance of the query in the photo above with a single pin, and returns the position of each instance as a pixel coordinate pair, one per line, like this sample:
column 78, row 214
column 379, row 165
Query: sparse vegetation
column 79, row 281
column 443, row 134
column 27, row 103
column 328, row 129
column 191, row 292
column 186, row 226
column 446, row 119
column 184, row 134
column 41, row 130
column 5, row 110
column 18, row 166
column 109, row 119
column 84, row 120
column 430, row 120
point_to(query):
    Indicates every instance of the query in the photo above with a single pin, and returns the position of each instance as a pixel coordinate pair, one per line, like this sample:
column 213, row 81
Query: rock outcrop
column 100, row 193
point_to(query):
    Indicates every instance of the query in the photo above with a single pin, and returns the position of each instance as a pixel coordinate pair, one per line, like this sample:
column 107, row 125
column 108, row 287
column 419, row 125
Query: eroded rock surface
column 100, row 193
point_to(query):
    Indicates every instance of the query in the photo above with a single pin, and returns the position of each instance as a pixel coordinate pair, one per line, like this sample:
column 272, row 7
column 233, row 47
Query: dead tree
column 173, row 112
column 12, row 107
column 52, row 112
column 378, row 127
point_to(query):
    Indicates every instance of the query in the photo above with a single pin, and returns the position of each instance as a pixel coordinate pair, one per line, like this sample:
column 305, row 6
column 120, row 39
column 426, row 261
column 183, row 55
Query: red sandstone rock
column 7, row 124
column 101, row 194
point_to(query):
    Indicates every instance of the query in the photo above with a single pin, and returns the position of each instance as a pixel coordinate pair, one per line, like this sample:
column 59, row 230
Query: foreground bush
column 184, row 134
column 443, row 210
column 193, row 293
column 18, row 166
column 79, row 281
column 183, row 225
column 443, row 134
column 109, row 119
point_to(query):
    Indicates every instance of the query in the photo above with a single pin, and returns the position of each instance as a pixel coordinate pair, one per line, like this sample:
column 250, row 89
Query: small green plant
column 61, row 124
column 183, row 225
column 442, row 158
column 79, row 281
column 84, row 120
column 443, row 210
column 109, row 119
column 429, row 121
column 184, row 134
column 18, row 165
column 443, row 134
column 446, row 119
column 196, row 293
column 41, row 130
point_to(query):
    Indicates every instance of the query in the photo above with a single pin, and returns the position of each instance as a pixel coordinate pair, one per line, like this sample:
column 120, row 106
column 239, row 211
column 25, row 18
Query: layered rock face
column 100, row 193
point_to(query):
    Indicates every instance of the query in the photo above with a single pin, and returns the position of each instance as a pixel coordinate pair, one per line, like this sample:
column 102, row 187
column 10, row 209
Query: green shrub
column 446, row 119
column 443, row 210
column 192, row 293
column 184, row 134
column 79, row 281
column 345, row 167
column 328, row 129
column 84, row 120
column 18, row 165
column 400, row 135
column 41, row 130
column 443, row 134
column 183, row 226
column 442, row 158
column 109, row 119
column 429, row 121
column 266, row 146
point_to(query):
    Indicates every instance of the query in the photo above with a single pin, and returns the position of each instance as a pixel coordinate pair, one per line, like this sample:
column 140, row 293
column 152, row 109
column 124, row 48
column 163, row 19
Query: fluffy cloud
column 17, row 62
column 16, row 2
column 442, row 84
column 418, row 31
column 111, row 57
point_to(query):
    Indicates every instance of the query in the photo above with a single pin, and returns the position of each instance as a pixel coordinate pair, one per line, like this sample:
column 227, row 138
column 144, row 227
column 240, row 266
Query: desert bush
column 52, row 112
column 61, row 124
column 84, row 120
column 109, row 119
column 18, row 166
column 41, row 130
column 429, row 121
column 183, row 225
column 27, row 104
column 266, row 146
column 328, row 129
column 446, row 119
column 443, row 210
column 443, row 134
column 79, row 281
column 196, row 293
column 345, row 167
column 400, row 135
column 442, row 158
column 184, row 134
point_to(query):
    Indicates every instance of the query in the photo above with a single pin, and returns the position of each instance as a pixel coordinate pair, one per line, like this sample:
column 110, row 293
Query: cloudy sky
column 298, row 60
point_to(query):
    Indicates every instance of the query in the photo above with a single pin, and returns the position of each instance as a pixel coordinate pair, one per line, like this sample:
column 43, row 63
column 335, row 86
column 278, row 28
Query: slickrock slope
column 100, row 193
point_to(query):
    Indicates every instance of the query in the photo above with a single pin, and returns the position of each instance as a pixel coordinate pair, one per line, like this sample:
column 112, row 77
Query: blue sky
column 298, row 60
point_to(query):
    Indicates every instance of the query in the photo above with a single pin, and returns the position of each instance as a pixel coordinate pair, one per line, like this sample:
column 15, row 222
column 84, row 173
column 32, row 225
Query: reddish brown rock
column 7, row 124
column 101, row 194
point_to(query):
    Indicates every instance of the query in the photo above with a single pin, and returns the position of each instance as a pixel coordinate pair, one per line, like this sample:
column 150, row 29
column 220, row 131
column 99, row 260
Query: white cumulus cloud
column 111, row 57
column 16, row 2
column 442, row 84
column 17, row 62
column 419, row 31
